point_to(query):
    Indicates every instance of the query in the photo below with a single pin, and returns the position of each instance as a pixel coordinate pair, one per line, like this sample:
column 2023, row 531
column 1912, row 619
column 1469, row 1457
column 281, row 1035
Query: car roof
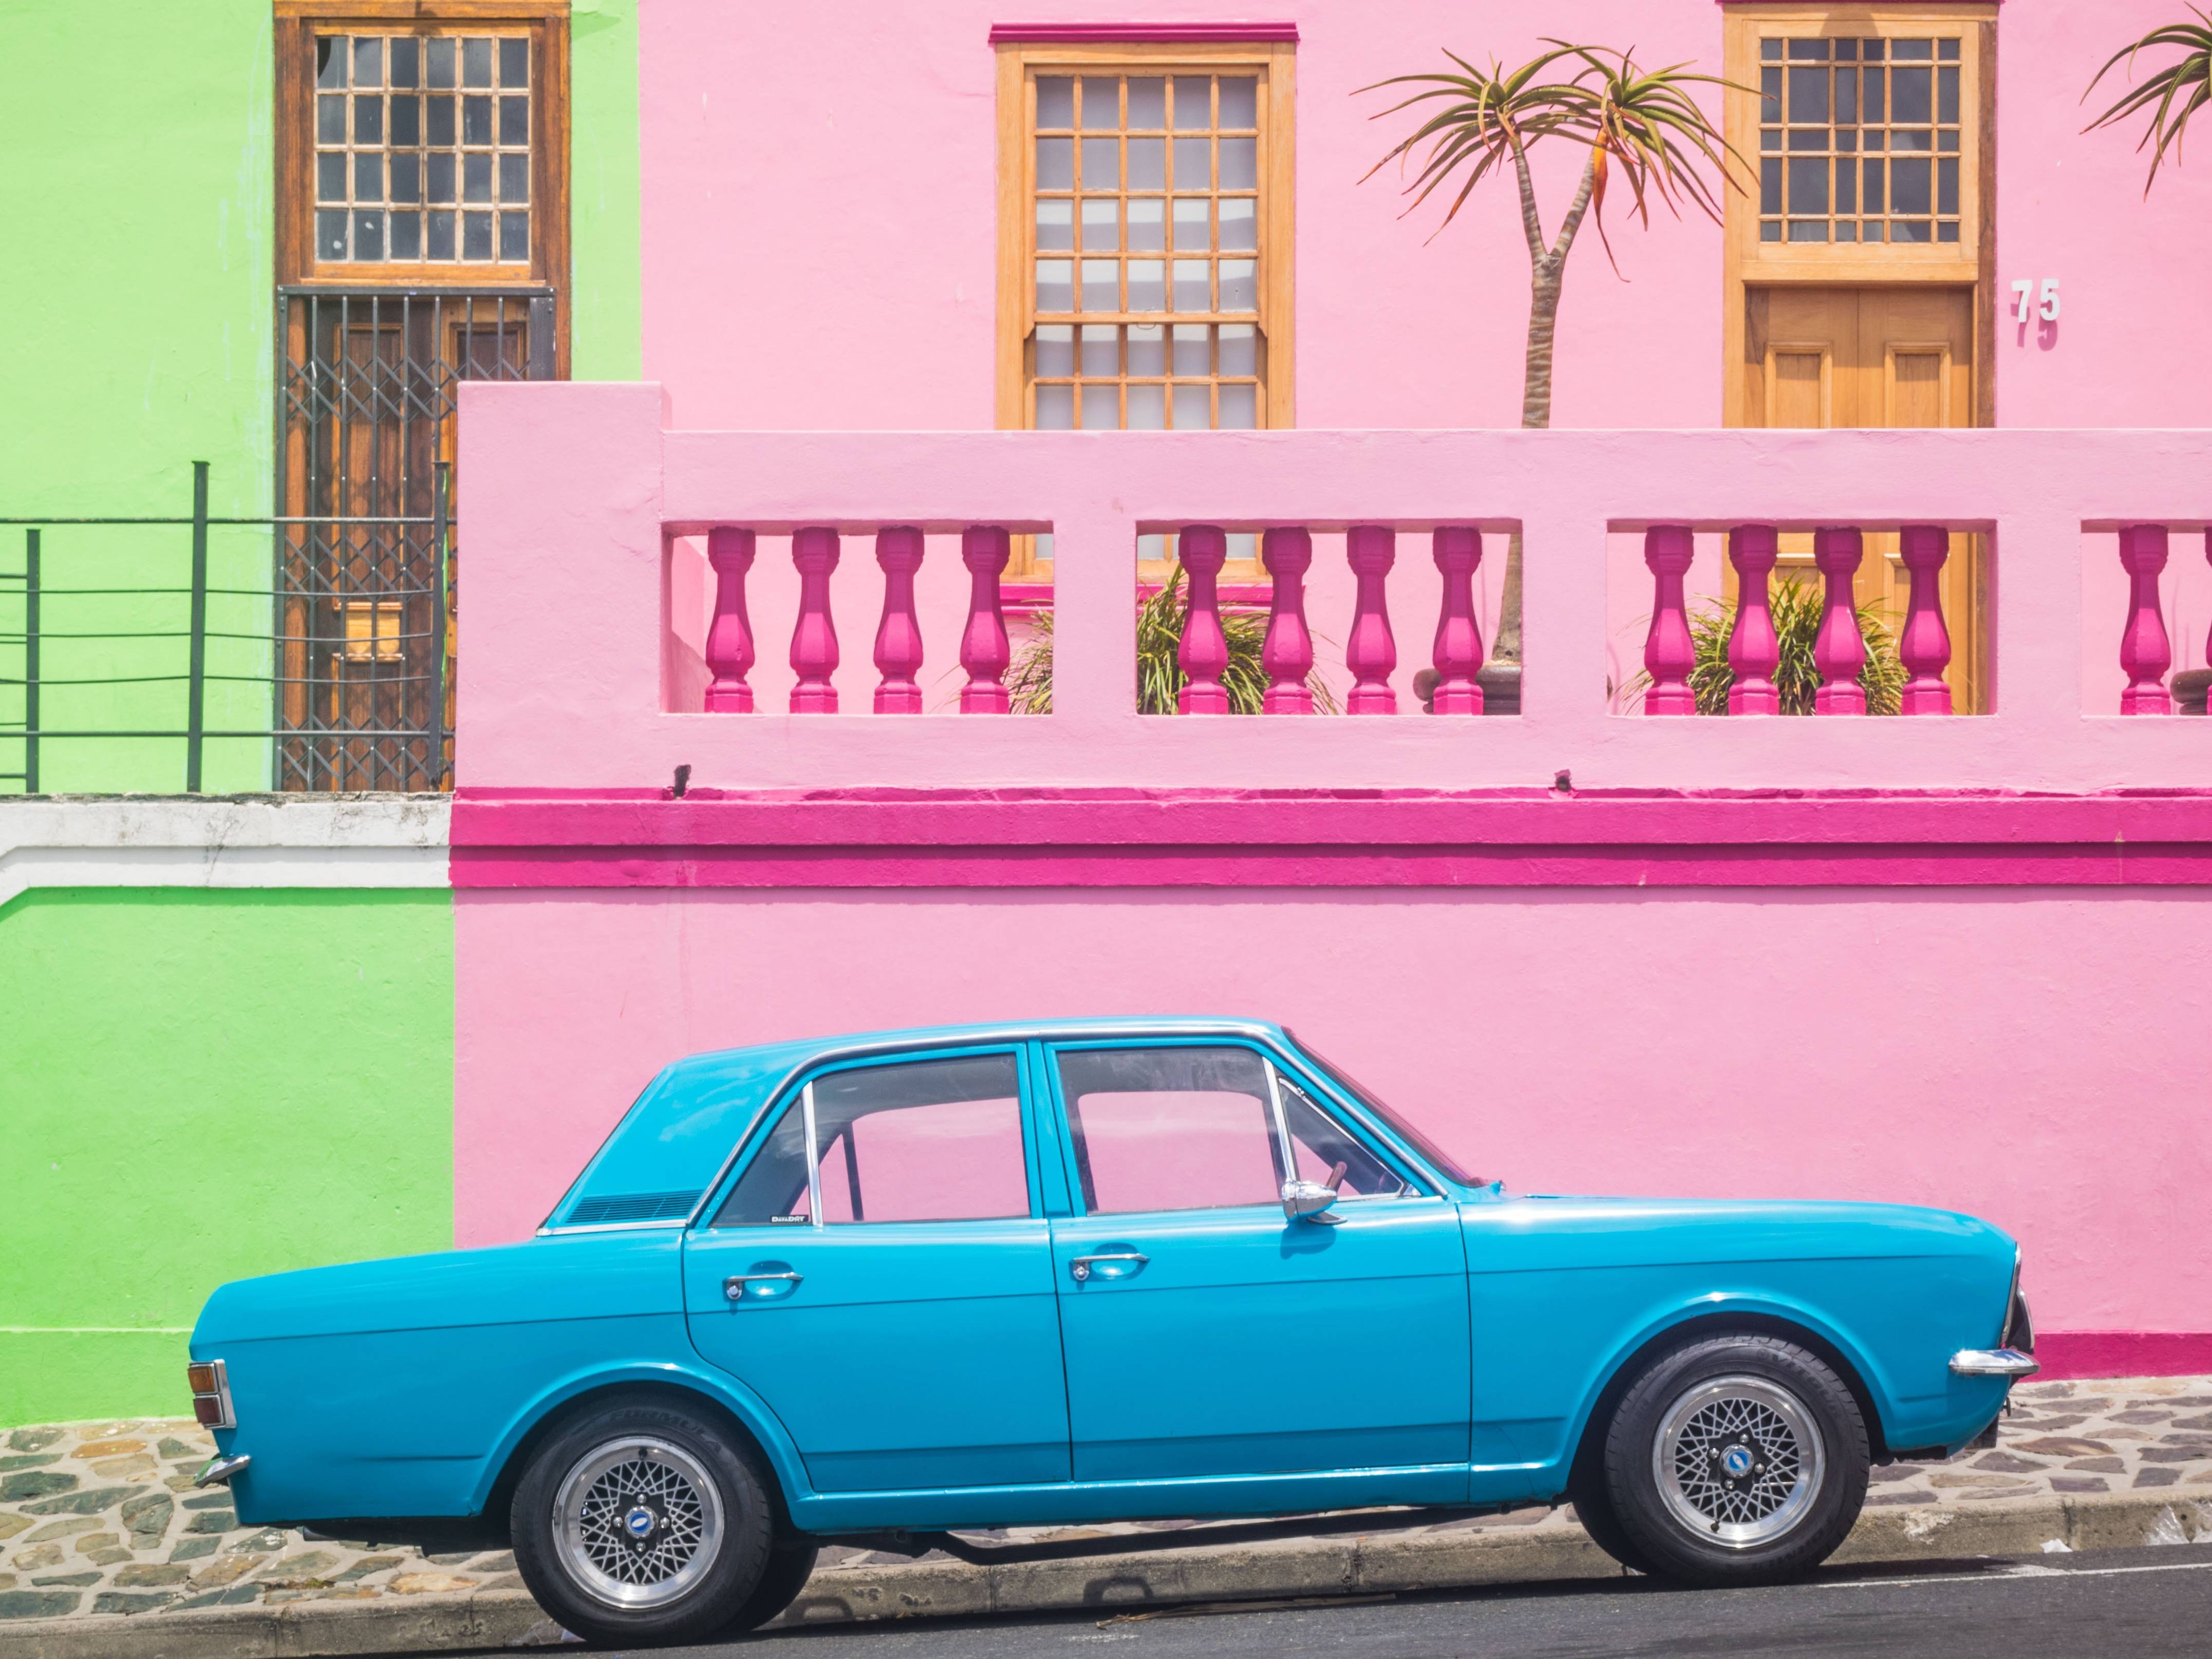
column 804, row 1050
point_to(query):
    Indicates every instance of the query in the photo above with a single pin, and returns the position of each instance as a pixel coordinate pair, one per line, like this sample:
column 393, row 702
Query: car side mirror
column 1310, row 1200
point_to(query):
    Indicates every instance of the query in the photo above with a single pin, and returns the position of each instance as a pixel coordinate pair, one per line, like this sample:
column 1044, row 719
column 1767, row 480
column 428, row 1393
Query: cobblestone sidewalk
column 100, row 1520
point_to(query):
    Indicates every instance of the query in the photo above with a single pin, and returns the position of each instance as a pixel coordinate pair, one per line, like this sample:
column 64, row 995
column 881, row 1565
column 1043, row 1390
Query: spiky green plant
column 2179, row 90
column 1643, row 122
column 1159, row 675
column 1796, row 609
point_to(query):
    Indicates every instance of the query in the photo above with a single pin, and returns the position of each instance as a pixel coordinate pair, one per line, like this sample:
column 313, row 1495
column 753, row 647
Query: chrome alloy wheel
column 1738, row 1461
column 638, row 1523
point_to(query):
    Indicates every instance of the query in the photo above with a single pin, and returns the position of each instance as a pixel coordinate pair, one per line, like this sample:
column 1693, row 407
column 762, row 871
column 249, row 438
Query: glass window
column 921, row 1140
column 1880, row 96
column 1320, row 1146
column 394, row 127
column 1101, row 159
column 1181, row 1128
column 1437, row 1159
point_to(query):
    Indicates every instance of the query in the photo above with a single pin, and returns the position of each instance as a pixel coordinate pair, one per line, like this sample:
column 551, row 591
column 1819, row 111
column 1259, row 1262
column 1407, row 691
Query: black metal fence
column 304, row 667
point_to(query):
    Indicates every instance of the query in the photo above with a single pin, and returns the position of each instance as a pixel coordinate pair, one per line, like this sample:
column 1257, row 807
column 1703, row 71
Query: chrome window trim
column 551, row 1229
column 813, row 1158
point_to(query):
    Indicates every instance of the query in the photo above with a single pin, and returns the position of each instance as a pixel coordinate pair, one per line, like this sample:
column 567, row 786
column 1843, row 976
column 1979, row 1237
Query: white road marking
column 2021, row 1572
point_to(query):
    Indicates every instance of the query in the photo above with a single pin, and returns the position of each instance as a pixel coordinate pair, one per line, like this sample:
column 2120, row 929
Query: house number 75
column 2026, row 288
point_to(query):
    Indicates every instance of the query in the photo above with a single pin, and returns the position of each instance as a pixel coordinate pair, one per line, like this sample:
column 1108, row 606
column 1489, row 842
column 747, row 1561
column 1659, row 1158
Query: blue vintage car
column 1082, row 1271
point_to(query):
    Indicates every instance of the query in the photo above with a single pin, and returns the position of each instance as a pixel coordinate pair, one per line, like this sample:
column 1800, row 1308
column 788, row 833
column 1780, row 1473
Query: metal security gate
column 366, row 563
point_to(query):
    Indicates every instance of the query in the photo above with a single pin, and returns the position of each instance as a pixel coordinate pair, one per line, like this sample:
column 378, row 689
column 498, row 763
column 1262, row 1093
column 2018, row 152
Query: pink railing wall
column 584, row 516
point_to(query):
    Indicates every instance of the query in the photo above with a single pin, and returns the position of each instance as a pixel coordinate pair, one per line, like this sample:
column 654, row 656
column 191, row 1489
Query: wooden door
column 1875, row 357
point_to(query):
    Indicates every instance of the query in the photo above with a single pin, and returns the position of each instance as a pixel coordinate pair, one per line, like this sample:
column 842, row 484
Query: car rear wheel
column 640, row 1523
column 1740, row 1460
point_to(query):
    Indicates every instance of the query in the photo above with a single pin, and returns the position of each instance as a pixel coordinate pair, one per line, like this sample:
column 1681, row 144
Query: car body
column 1134, row 1302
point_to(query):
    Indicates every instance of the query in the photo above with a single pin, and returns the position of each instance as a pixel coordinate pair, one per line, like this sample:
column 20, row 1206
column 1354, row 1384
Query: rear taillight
column 210, row 1386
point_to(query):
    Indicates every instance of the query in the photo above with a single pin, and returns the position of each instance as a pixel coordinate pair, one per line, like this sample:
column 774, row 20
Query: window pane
column 1056, row 408
column 1921, row 50
column 439, row 127
column 1240, row 285
column 476, row 120
column 1102, row 163
column 1808, row 95
column 515, row 120
column 440, row 176
column 1908, row 184
column 1147, row 223
column 476, row 62
column 1148, row 163
column 1102, row 285
column 1909, row 98
column 369, row 60
column 1148, row 349
column 933, row 1140
column 1847, row 179
column 330, row 119
column 1319, row 1143
column 369, row 235
column 514, row 234
column 1193, row 409
column 331, row 58
column 1809, row 49
column 1770, row 184
column 1194, row 164
column 1947, row 94
column 1193, row 353
column 368, row 178
column 1240, row 407
column 1947, row 186
column 1056, row 348
column 1240, row 163
column 438, row 60
column 514, row 179
column 1148, row 285
column 1055, row 163
column 515, row 62
column 1148, row 104
column 1240, row 223
column 438, row 230
column 1055, row 223
column 1872, row 177
column 1191, row 227
column 1101, row 350
column 406, row 123
column 1847, row 96
column 1055, row 96
column 1240, row 348
column 1102, row 408
column 1185, row 1129
column 774, row 1186
column 1769, row 92
column 1808, row 186
column 330, row 232
column 1871, row 84
column 1148, row 408
column 476, row 178
column 1102, row 103
column 330, row 177
column 1055, row 285
column 1240, row 101
column 1193, row 285
column 476, row 236
column 368, row 118
column 406, row 235
column 1194, row 103
column 1102, row 224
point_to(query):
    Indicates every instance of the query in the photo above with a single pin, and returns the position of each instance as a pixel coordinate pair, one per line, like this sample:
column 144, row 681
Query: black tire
column 1739, row 1460
column 1594, row 1509
column 790, row 1564
column 686, row 1569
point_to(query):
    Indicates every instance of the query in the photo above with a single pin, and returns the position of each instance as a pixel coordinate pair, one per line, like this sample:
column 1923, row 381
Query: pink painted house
column 956, row 317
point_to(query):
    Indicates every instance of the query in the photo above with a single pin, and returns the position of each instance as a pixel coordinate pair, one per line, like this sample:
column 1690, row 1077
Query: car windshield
column 1438, row 1159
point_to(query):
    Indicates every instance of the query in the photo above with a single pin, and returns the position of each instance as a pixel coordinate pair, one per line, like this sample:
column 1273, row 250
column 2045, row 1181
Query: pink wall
column 819, row 226
column 2037, row 1057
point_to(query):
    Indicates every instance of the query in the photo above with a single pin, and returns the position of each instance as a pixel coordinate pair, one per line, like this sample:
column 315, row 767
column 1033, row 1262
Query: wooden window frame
column 1748, row 263
column 546, row 21
column 1019, row 63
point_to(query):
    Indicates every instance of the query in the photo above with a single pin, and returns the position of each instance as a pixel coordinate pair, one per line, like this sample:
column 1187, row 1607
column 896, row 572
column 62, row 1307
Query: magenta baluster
column 1370, row 651
column 1288, row 654
column 1838, row 651
column 984, row 653
column 1924, row 644
column 814, row 639
column 1204, row 653
column 1457, row 654
column 898, row 635
column 1669, row 654
column 730, row 636
column 2145, row 651
column 1754, row 653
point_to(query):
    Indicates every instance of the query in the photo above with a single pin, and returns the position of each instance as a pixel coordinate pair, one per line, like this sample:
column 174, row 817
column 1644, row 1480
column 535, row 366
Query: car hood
column 1730, row 1229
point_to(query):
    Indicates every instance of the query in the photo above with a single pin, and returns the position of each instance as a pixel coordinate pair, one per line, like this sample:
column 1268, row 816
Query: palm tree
column 2179, row 89
column 1644, row 122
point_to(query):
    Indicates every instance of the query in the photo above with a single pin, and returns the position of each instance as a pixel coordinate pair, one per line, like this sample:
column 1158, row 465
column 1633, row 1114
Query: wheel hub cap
column 638, row 1523
column 1738, row 1461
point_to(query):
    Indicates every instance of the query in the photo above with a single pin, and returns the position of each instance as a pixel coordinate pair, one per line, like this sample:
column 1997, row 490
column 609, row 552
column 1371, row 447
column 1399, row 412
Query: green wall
column 199, row 1086
column 138, row 284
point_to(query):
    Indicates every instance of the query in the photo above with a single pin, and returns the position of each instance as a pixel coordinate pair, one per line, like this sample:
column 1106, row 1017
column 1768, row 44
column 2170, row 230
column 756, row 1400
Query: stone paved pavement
column 100, row 1520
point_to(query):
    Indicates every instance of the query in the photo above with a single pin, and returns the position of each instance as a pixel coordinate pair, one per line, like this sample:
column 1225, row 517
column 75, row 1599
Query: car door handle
column 734, row 1286
column 1079, row 1267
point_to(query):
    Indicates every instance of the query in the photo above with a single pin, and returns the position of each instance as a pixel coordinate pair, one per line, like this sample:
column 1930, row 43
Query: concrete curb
column 1344, row 1565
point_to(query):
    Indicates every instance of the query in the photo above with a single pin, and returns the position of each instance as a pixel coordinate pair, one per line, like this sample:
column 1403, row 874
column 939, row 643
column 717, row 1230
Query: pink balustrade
column 984, row 650
column 814, row 639
column 1924, row 645
column 1754, row 652
column 1839, row 649
column 729, row 651
column 1203, row 654
column 1288, row 654
column 898, row 636
column 1457, row 655
column 1369, row 650
column 1669, row 651
column 2145, row 651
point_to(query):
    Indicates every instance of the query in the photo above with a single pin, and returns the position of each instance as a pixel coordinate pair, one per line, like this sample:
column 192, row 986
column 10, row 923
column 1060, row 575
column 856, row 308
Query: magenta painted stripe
column 2068, row 1354
column 1065, row 34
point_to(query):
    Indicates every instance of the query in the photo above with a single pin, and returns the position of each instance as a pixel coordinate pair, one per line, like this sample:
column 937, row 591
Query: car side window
column 1319, row 1143
column 920, row 1141
column 1188, row 1128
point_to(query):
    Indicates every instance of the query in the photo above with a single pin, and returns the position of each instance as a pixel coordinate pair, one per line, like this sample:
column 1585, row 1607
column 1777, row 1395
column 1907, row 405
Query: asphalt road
column 2136, row 1603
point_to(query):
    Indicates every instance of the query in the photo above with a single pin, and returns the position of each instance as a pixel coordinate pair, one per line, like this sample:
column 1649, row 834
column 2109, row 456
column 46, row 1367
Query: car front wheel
column 1740, row 1460
column 642, row 1522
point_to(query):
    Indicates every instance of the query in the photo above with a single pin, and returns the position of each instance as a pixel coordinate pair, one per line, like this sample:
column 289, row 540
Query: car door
column 1208, row 1335
column 879, row 1272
